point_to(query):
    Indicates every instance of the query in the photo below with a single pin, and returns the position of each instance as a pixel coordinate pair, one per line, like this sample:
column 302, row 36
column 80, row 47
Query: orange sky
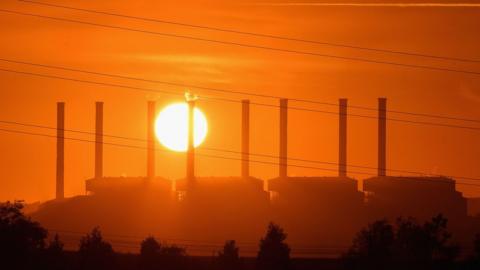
column 28, row 163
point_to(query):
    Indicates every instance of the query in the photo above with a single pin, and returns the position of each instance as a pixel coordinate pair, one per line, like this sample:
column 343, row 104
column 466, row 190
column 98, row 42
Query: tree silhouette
column 474, row 260
column 476, row 251
column 229, row 257
column 372, row 247
column 54, row 255
column 274, row 252
column 55, row 246
column 421, row 245
column 94, row 252
column 407, row 245
column 153, row 255
column 149, row 254
column 21, row 240
column 439, row 238
column 476, row 247
column 173, row 257
column 149, row 247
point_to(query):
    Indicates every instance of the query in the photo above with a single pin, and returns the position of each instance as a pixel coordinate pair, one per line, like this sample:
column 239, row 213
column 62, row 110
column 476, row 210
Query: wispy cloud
column 196, row 59
column 470, row 94
column 347, row 4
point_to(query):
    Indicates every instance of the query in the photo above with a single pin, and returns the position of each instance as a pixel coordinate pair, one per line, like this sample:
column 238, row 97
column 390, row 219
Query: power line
column 210, row 98
column 191, row 242
column 296, row 245
column 138, row 237
column 223, row 157
column 115, row 238
column 248, row 93
column 245, row 45
column 230, row 151
column 161, row 150
column 256, row 34
column 201, row 249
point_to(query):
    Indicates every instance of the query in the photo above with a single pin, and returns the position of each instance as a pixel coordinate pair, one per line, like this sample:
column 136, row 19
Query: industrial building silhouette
column 313, row 210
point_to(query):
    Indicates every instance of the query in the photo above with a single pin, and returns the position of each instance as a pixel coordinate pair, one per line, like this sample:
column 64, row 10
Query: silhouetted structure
column 219, row 208
column 382, row 136
column 311, row 208
column 99, row 140
column 245, row 139
column 238, row 207
column 60, row 182
column 151, row 140
column 118, row 205
column 112, row 185
column 283, row 138
column 419, row 197
column 191, row 142
column 473, row 206
column 342, row 138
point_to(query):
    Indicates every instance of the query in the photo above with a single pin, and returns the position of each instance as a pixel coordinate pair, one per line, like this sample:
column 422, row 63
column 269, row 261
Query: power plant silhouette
column 313, row 210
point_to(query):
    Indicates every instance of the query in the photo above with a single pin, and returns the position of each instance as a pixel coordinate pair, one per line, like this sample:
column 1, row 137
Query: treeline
column 406, row 244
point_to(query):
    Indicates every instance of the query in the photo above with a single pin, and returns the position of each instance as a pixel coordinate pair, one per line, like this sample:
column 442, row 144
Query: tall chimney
column 342, row 151
column 60, row 180
column 151, row 140
column 190, row 144
column 283, row 138
column 245, row 138
column 98, row 140
column 382, row 136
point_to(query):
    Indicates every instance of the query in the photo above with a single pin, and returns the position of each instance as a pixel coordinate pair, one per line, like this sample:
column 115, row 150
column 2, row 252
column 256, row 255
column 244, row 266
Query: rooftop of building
column 223, row 183
column 410, row 183
column 107, row 184
column 313, row 183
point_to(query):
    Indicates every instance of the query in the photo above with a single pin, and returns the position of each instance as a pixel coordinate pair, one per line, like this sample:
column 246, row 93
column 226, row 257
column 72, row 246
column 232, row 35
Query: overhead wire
column 230, row 91
column 401, row 120
column 227, row 158
column 247, row 45
column 293, row 39
column 271, row 36
column 182, row 242
column 221, row 99
column 230, row 151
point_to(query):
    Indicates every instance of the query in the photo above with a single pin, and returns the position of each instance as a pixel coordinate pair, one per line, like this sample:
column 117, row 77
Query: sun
column 171, row 127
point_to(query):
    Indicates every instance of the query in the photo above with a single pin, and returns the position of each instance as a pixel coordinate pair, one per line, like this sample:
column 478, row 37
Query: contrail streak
column 401, row 5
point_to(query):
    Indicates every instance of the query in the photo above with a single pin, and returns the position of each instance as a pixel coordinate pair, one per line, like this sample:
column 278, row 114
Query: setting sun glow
column 171, row 127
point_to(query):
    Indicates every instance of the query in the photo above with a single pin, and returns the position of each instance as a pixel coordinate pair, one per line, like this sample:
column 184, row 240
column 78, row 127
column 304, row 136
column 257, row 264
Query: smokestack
column 382, row 136
column 98, row 140
column 190, row 145
column 151, row 140
column 245, row 138
column 60, row 180
column 283, row 138
column 342, row 151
